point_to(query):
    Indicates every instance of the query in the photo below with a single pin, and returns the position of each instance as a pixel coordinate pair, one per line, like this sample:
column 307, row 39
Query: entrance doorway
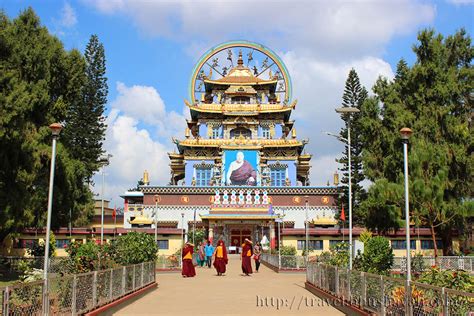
column 237, row 236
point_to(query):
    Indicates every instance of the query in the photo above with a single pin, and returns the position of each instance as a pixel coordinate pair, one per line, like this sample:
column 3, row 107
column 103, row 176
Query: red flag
column 114, row 213
column 343, row 215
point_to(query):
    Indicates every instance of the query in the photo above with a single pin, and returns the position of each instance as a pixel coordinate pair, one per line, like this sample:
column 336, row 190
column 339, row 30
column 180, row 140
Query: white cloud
column 144, row 104
column 319, row 86
column 140, row 102
column 139, row 130
column 68, row 16
column 320, row 42
column 322, row 170
column 323, row 28
column 460, row 2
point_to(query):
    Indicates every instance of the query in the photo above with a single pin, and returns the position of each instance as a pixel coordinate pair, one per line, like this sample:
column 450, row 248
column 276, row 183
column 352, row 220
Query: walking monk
column 188, row 266
column 220, row 257
column 246, row 255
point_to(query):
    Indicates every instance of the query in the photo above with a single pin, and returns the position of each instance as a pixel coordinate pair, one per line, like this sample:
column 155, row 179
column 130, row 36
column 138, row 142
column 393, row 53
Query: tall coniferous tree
column 39, row 82
column 354, row 96
column 434, row 99
column 86, row 121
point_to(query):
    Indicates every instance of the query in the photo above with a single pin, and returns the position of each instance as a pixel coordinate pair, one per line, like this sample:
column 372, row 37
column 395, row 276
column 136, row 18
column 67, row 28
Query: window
column 215, row 132
column 428, row 244
column 163, row 244
column 240, row 100
column 312, row 244
column 62, row 243
column 277, row 177
column 25, row 243
column 203, row 176
column 240, row 131
column 402, row 244
column 266, row 132
column 333, row 243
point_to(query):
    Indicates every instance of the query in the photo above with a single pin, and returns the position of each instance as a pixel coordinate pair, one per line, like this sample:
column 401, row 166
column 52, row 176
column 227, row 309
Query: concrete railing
column 74, row 294
column 386, row 295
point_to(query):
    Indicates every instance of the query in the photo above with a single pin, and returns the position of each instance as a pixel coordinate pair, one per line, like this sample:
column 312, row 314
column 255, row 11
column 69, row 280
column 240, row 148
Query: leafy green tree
column 135, row 248
column 38, row 248
column 354, row 96
column 85, row 117
column 378, row 256
column 38, row 83
column 288, row 251
column 200, row 235
column 434, row 99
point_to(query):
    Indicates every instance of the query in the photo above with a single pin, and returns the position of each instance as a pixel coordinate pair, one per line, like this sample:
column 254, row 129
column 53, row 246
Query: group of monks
column 220, row 259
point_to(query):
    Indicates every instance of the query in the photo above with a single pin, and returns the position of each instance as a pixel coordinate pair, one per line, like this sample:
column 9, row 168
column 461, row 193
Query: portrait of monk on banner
column 241, row 167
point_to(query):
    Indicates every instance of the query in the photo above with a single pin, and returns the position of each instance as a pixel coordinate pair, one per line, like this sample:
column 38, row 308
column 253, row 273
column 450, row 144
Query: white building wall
column 173, row 213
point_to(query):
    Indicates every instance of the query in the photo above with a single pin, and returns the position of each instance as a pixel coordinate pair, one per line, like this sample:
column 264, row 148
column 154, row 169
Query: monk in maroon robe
column 245, row 175
column 188, row 266
column 246, row 256
column 241, row 172
column 220, row 257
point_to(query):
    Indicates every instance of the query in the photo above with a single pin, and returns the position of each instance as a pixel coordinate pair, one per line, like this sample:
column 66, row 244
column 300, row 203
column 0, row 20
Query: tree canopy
column 434, row 97
column 40, row 82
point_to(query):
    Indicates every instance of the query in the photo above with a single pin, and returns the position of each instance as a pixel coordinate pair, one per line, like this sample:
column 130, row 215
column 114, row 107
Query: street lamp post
column 349, row 110
column 405, row 135
column 104, row 161
column 306, row 225
column 55, row 130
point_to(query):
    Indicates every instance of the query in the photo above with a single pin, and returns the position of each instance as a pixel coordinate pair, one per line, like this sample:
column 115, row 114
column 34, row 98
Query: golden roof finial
column 293, row 132
column 186, row 132
column 145, row 178
column 240, row 61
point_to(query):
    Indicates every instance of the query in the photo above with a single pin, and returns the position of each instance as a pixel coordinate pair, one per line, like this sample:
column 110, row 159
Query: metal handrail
column 75, row 293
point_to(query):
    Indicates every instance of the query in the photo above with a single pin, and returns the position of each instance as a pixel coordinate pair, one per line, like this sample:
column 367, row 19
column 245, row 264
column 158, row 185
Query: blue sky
column 151, row 47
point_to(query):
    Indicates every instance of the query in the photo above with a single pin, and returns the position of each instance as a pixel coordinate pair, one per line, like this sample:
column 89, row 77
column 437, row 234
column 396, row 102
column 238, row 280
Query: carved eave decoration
column 232, row 109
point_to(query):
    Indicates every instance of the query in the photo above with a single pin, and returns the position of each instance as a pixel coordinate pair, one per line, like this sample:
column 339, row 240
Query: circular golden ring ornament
column 218, row 60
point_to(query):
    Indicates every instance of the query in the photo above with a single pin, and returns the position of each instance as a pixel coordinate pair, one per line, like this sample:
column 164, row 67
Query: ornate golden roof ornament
column 293, row 133
column 145, row 178
column 272, row 130
column 240, row 61
column 187, row 133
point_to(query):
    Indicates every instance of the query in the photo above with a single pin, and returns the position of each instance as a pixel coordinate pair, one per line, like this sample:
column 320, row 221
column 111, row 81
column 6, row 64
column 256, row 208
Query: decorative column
column 211, row 234
column 272, row 236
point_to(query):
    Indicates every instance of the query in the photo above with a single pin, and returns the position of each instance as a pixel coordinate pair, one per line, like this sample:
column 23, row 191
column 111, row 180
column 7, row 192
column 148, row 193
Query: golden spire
column 145, row 178
column 240, row 61
column 293, row 132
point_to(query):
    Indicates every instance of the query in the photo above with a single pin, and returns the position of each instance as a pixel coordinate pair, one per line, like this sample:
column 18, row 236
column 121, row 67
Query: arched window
column 240, row 131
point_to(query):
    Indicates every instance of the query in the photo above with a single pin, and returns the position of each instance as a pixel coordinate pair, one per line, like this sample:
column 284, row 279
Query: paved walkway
column 263, row 293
